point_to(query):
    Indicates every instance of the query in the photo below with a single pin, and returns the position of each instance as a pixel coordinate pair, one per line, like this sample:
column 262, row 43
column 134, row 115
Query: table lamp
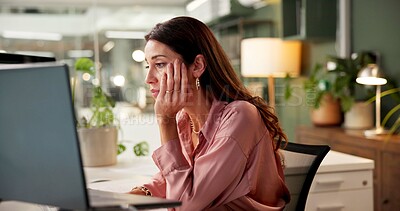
column 372, row 75
column 271, row 58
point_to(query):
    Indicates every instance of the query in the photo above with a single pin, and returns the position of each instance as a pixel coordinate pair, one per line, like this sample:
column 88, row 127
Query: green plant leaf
column 141, row 148
column 346, row 102
column 383, row 94
column 389, row 114
column 101, row 105
column 288, row 89
column 121, row 148
column 395, row 126
column 85, row 65
column 392, row 111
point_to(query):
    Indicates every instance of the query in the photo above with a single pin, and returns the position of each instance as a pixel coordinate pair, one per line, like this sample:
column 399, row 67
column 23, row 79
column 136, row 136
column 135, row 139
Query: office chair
column 301, row 163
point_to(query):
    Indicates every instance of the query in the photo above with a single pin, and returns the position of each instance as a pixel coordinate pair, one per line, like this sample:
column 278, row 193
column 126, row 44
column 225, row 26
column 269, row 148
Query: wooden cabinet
column 385, row 151
column 309, row 19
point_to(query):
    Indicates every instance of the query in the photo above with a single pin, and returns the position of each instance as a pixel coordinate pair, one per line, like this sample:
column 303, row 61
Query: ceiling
column 77, row 21
column 85, row 3
column 62, row 16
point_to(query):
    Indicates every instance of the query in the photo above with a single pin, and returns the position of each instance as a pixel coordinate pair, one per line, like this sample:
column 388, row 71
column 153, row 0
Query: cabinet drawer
column 342, row 181
column 351, row 200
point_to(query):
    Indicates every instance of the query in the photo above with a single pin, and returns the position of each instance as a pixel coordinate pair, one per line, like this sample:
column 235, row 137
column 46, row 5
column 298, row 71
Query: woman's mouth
column 154, row 93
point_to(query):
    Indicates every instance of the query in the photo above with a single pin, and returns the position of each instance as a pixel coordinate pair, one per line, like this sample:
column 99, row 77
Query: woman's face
column 158, row 55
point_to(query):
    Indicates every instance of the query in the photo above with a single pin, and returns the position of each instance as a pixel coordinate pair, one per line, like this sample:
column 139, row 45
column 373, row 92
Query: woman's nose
column 151, row 78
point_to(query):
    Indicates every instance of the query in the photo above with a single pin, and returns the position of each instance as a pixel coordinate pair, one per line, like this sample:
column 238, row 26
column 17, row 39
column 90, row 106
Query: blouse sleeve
column 157, row 185
column 212, row 180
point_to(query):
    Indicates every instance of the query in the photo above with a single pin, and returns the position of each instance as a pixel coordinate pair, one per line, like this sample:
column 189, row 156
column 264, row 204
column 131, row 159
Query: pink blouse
column 234, row 166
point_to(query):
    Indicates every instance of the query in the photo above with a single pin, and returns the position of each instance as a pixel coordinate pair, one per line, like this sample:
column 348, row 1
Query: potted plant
column 98, row 135
column 357, row 113
column 323, row 96
column 331, row 89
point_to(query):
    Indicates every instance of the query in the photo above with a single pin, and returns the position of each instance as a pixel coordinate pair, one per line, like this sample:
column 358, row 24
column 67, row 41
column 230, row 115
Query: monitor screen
column 39, row 149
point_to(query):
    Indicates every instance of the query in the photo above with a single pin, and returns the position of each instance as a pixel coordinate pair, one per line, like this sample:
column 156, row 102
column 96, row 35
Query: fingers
column 177, row 75
column 174, row 93
column 163, row 85
column 170, row 80
column 185, row 91
column 174, row 83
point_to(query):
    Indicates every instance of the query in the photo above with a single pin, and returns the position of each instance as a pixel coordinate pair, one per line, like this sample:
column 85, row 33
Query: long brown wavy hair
column 189, row 37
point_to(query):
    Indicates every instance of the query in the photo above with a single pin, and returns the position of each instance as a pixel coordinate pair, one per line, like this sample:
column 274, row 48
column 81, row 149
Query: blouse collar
column 214, row 119
column 212, row 123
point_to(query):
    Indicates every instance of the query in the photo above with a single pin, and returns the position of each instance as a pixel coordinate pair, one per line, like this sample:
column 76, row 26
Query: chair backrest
column 301, row 163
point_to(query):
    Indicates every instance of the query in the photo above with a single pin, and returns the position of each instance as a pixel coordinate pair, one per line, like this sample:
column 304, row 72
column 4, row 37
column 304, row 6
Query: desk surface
column 337, row 161
column 333, row 162
column 131, row 171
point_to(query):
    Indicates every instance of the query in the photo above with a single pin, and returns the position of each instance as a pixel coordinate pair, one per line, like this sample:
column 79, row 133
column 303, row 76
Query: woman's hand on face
column 175, row 92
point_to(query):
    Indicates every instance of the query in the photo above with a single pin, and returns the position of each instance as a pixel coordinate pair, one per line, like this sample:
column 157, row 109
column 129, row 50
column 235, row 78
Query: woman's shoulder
column 240, row 103
column 241, row 109
column 242, row 123
column 240, row 117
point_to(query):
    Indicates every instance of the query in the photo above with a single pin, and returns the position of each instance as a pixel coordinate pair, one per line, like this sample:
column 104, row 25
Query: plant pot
column 360, row 116
column 98, row 146
column 329, row 112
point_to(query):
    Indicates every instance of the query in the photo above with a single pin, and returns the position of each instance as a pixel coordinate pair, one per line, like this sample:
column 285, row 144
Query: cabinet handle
column 330, row 207
column 329, row 181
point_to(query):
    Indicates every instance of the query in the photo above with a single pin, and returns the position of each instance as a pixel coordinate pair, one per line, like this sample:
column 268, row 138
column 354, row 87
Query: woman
column 219, row 145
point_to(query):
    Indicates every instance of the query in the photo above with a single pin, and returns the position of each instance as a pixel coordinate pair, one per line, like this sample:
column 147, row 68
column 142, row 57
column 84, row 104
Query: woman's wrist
column 166, row 120
column 142, row 189
column 168, row 128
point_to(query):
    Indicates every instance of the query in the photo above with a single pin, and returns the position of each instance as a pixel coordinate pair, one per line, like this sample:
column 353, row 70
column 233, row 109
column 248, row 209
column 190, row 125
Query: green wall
column 296, row 111
column 376, row 26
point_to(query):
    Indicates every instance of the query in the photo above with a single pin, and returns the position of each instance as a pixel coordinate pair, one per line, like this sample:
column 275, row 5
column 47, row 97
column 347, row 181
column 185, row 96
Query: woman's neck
column 198, row 110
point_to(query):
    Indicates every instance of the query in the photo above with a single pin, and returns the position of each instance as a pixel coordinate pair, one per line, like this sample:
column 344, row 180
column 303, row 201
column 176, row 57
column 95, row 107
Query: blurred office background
column 111, row 32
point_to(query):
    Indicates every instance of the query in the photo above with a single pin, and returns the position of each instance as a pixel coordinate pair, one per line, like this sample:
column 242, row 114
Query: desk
column 354, row 174
column 343, row 182
column 129, row 171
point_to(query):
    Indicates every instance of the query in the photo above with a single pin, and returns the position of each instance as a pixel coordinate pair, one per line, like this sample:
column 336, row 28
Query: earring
column 197, row 83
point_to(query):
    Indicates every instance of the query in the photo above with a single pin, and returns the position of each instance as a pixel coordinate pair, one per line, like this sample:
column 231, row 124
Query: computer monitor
column 10, row 58
column 38, row 141
column 40, row 159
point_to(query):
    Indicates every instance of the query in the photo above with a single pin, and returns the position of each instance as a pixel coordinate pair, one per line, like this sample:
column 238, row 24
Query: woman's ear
column 199, row 65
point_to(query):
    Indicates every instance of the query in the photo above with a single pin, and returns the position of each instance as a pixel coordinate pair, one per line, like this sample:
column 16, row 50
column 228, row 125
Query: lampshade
column 371, row 75
column 265, row 57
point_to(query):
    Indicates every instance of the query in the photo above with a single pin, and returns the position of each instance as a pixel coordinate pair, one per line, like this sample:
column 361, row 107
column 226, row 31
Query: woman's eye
column 160, row 65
